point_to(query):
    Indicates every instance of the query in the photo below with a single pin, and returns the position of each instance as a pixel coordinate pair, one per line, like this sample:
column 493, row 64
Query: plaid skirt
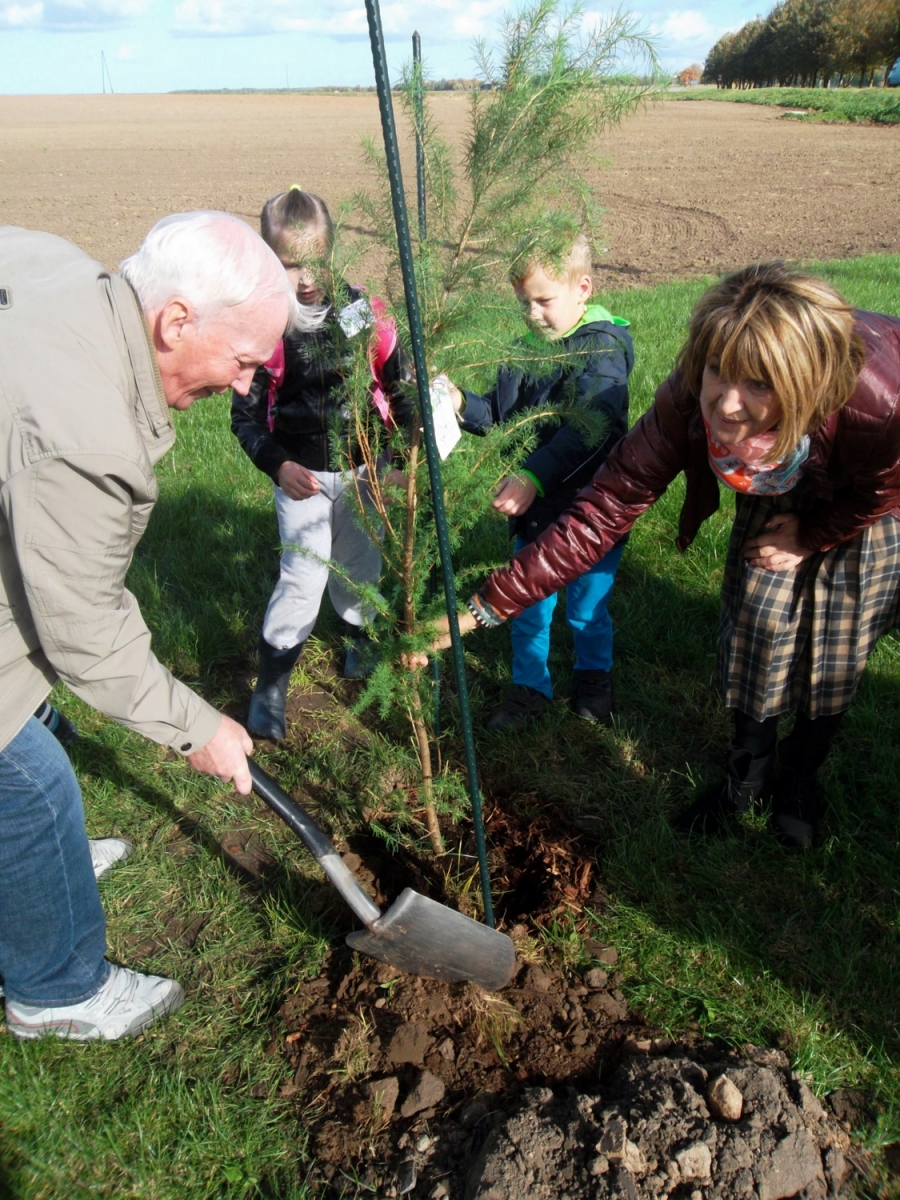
column 799, row 640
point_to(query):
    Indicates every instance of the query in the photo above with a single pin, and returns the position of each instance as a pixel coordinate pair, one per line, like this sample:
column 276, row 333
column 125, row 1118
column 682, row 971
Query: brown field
column 688, row 188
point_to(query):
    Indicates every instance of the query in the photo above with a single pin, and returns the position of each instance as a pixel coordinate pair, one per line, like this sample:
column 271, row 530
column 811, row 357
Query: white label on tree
column 446, row 427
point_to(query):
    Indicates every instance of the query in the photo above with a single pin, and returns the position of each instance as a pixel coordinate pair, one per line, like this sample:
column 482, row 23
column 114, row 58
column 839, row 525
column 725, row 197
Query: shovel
column 416, row 934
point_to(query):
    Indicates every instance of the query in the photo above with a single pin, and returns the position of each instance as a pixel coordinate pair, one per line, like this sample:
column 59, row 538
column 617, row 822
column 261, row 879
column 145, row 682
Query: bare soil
column 689, row 188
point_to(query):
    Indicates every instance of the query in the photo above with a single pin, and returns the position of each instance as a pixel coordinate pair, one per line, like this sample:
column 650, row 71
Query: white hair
column 210, row 259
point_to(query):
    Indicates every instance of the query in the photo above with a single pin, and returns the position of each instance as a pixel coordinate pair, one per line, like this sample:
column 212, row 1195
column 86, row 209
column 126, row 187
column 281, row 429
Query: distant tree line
column 809, row 43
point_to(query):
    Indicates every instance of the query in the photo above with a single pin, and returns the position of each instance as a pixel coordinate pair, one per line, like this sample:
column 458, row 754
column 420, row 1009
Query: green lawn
column 734, row 938
column 868, row 106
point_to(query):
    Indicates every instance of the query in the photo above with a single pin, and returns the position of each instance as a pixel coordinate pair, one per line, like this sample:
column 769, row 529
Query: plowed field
column 689, row 188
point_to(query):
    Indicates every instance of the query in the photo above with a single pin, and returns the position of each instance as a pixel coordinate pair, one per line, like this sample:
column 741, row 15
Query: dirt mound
column 666, row 1127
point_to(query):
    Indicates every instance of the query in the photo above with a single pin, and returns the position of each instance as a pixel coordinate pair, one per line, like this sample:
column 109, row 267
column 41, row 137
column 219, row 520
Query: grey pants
column 321, row 530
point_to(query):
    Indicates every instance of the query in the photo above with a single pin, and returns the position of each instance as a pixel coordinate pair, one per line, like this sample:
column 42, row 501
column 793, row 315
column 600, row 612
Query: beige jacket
column 83, row 420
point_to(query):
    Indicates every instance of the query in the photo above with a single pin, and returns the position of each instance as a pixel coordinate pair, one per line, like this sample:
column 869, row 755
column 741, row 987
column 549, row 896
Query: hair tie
column 295, row 187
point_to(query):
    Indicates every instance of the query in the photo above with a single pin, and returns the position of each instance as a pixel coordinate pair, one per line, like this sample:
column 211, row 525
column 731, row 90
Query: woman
column 790, row 398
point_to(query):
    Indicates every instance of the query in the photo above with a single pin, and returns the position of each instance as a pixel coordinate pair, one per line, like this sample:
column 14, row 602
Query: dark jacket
column 311, row 396
column 853, row 471
column 601, row 356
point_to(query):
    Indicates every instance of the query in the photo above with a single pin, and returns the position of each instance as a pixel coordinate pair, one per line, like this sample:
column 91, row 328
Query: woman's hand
column 514, row 495
column 441, row 641
column 296, row 482
column 778, row 547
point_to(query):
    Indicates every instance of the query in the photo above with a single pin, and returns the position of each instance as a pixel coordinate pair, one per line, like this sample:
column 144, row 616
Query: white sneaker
column 106, row 852
column 125, row 1005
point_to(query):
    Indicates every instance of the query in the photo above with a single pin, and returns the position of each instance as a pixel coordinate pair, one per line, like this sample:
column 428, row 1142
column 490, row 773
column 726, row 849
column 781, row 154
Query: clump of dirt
column 683, row 1126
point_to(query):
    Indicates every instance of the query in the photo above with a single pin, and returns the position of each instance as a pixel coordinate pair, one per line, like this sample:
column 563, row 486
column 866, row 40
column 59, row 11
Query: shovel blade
column 423, row 937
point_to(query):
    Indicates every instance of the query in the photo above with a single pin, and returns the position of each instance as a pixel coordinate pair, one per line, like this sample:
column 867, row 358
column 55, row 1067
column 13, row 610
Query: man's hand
column 225, row 755
column 296, row 482
column 778, row 547
column 514, row 495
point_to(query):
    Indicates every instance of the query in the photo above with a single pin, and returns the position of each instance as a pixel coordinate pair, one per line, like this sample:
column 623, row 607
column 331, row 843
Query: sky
column 59, row 46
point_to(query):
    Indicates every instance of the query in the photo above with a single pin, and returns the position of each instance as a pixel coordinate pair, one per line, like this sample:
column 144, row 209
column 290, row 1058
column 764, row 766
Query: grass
column 734, row 939
column 866, row 106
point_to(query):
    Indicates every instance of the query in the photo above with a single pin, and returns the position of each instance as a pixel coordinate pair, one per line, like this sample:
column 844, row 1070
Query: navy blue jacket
column 602, row 357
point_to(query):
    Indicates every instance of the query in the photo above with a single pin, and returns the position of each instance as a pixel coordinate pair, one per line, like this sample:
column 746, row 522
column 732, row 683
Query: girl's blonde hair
column 793, row 331
column 295, row 214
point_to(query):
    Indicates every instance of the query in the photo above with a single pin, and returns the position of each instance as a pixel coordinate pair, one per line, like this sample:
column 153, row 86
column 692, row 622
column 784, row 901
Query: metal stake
column 398, row 198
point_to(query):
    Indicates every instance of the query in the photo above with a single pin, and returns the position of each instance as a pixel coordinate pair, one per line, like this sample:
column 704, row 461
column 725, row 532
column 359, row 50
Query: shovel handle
column 316, row 842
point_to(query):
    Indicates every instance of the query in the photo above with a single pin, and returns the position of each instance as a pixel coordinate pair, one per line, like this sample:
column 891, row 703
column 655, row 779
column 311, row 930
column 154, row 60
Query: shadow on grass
column 821, row 926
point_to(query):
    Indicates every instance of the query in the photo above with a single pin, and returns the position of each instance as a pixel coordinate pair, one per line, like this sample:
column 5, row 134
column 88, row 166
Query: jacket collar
column 153, row 415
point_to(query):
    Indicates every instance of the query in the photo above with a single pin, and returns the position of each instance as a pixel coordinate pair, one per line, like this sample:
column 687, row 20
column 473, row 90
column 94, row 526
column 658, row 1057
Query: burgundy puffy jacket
column 853, row 465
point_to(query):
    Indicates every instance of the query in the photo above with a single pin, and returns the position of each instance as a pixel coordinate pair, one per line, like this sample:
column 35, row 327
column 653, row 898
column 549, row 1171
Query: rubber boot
column 795, row 796
column 746, row 779
column 265, row 717
column 795, row 809
column 361, row 655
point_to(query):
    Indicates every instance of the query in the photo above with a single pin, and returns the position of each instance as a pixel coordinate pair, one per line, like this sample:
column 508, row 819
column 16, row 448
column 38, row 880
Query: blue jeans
column 52, row 927
column 586, row 613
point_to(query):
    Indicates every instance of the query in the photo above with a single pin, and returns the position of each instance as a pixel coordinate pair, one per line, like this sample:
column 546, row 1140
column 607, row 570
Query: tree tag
column 446, row 427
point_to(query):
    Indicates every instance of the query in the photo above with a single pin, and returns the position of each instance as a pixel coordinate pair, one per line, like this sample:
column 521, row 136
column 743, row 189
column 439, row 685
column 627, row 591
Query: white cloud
column 69, row 15
column 127, row 51
column 687, row 26
column 441, row 20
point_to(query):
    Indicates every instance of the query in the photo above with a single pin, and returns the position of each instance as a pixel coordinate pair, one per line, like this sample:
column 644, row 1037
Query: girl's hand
column 514, row 495
column 297, row 482
column 778, row 547
column 394, row 478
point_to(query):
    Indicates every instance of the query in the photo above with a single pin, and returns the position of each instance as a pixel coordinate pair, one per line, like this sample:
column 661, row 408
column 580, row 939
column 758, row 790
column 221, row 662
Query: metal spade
column 416, row 934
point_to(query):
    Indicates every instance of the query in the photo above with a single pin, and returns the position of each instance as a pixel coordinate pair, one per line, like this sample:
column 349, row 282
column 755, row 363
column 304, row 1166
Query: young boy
column 600, row 356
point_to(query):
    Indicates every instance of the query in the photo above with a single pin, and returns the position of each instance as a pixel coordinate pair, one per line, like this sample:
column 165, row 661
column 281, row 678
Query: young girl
column 285, row 423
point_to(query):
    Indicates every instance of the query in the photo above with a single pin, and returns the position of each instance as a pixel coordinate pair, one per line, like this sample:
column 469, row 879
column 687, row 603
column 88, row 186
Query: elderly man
column 90, row 364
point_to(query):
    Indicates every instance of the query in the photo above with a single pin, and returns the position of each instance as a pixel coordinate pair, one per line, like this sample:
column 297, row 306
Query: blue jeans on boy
column 52, row 927
column 586, row 613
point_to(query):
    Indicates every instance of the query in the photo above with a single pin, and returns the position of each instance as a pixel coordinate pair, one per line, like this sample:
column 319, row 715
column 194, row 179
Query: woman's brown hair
column 793, row 331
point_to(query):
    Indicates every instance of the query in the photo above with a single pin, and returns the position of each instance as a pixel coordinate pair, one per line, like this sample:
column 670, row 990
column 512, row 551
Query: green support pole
column 398, row 198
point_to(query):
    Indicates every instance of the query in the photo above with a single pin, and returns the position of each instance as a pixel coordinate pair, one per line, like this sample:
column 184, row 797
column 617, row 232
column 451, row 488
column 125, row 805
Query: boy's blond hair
column 573, row 264
column 793, row 331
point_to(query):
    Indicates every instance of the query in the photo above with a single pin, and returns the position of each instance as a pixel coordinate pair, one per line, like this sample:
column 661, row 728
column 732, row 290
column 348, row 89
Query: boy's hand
column 456, row 396
column 514, row 495
column 296, row 482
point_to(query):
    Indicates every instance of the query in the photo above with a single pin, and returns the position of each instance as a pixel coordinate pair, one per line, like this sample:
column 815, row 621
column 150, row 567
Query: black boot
column 361, row 654
column 265, row 717
column 795, row 809
column 746, row 780
column 795, row 797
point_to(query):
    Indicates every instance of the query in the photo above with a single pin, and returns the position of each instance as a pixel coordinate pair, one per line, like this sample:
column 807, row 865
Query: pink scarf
column 742, row 467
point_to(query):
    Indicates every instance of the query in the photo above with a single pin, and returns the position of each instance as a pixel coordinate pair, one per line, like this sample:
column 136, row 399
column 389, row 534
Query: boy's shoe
column 593, row 695
column 106, row 852
column 126, row 1004
column 522, row 706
